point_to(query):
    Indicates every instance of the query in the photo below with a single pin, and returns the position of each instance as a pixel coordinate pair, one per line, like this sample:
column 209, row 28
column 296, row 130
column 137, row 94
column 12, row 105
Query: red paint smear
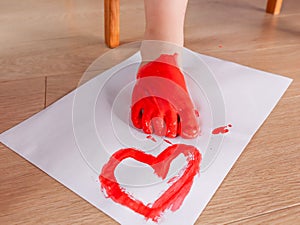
column 172, row 198
column 169, row 142
column 197, row 113
column 151, row 138
column 220, row 46
column 221, row 130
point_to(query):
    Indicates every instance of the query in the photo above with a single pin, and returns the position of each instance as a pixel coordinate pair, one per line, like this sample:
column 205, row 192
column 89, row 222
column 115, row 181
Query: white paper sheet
column 71, row 143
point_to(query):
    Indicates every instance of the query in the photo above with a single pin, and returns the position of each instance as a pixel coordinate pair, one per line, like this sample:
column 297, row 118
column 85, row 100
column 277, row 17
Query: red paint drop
column 220, row 46
column 151, row 138
column 197, row 113
column 169, row 142
column 221, row 130
column 172, row 198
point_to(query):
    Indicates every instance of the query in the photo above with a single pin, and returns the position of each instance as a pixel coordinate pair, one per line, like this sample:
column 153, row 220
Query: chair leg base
column 112, row 22
column 274, row 6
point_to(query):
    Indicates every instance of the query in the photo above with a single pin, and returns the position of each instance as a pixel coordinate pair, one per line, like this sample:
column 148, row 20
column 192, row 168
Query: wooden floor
column 45, row 46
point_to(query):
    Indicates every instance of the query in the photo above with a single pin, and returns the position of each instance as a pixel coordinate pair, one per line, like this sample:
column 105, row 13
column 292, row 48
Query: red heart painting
column 172, row 198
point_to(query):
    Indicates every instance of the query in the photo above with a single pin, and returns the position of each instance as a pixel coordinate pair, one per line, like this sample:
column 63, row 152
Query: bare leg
column 165, row 20
column 160, row 101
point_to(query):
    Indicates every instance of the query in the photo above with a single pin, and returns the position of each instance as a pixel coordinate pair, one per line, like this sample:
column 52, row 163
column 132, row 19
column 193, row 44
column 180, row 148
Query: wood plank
column 69, row 40
column 265, row 177
column 19, row 100
column 288, row 215
column 249, row 28
column 62, row 61
column 65, row 41
column 59, row 86
column 29, row 196
column 132, row 21
column 293, row 89
column 31, row 20
column 290, row 7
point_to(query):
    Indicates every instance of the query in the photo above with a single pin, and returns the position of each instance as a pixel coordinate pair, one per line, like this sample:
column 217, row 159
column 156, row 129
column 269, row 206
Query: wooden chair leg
column 274, row 6
column 112, row 22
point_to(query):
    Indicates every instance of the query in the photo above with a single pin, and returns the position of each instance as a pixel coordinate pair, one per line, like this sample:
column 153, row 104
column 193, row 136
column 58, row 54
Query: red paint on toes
column 151, row 138
column 169, row 142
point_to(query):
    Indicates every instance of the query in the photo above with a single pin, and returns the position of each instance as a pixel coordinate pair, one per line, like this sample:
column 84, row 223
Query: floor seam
column 45, row 96
column 262, row 214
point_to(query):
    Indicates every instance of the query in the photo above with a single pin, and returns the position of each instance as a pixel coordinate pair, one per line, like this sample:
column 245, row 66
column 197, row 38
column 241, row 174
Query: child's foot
column 160, row 100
